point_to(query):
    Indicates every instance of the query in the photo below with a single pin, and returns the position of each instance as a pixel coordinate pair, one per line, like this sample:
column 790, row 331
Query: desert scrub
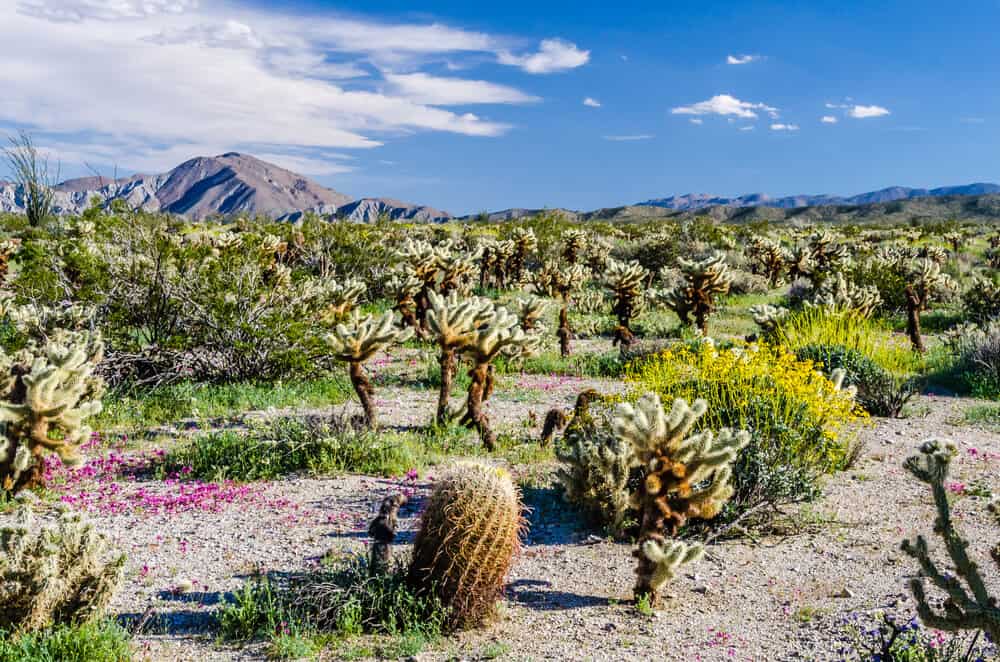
column 880, row 392
column 893, row 639
column 100, row 641
column 281, row 447
column 801, row 423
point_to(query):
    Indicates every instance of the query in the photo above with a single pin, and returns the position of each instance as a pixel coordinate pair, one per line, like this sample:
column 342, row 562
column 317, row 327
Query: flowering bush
column 800, row 421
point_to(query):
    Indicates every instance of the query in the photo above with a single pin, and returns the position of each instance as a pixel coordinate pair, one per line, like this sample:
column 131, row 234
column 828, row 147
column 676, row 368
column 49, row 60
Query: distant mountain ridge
column 224, row 185
column 239, row 184
column 692, row 201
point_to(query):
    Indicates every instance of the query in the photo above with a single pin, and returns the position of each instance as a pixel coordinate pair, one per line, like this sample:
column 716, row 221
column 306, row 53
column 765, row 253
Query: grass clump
column 96, row 641
column 172, row 403
column 303, row 613
column 800, row 422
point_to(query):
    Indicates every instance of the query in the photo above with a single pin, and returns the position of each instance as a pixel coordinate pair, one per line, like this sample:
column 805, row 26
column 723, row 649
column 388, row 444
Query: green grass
column 984, row 416
column 289, row 446
column 100, row 641
column 169, row 404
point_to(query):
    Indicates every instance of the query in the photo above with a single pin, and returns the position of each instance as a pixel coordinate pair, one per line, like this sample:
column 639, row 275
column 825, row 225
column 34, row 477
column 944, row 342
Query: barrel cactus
column 63, row 573
column 469, row 533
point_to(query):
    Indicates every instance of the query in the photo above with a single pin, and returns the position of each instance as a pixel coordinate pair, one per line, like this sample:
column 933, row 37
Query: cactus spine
column 469, row 533
column 48, row 390
column 56, row 574
column 968, row 607
column 684, row 477
column 356, row 341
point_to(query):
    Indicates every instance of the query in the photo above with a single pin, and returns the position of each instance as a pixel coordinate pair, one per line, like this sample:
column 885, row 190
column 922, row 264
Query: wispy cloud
column 630, row 138
column 780, row 126
column 742, row 59
column 177, row 79
column 725, row 104
column 828, row 119
column 552, row 56
column 696, row 120
column 857, row 111
column 437, row 91
column 972, row 120
column 591, row 102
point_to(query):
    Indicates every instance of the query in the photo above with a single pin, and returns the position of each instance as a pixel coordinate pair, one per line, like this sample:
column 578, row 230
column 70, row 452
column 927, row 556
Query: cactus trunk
column 366, row 394
column 565, row 333
column 447, row 363
column 913, row 306
column 474, row 415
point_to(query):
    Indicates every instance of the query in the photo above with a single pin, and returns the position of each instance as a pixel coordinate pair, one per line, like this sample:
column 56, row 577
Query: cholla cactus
column 934, row 254
column 768, row 317
column 839, row 295
column 344, row 298
column 525, row 241
column 404, row 287
column 768, row 258
column 955, row 240
column 598, row 253
column 981, row 301
column 48, row 392
column 500, row 333
column 494, row 259
column 53, row 574
column 574, row 243
column 456, row 272
column 530, row 310
column 626, row 282
column 453, row 324
column 923, row 283
column 423, row 261
column 818, row 259
column 704, row 280
column 357, row 340
column 971, row 608
column 684, row 477
column 8, row 248
column 554, row 280
column 590, row 302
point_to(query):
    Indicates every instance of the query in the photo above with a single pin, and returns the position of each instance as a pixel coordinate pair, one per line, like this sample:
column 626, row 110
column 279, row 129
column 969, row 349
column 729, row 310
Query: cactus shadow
column 537, row 594
column 551, row 521
column 178, row 622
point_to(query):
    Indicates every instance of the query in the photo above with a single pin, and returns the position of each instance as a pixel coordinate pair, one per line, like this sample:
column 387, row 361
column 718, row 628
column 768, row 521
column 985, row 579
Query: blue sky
column 472, row 106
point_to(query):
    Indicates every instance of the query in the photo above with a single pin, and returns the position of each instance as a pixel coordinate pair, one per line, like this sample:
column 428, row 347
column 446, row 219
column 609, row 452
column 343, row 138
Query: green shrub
column 99, row 641
column 981, row 302
column 879, row 391
column 976, row 356
column 800, row 422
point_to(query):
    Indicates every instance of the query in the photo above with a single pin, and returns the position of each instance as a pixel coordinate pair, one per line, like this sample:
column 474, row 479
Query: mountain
column 693, row 201
column 224, row 185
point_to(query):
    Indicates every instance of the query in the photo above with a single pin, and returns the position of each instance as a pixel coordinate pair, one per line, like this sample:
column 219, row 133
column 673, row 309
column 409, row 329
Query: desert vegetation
column 342, row 441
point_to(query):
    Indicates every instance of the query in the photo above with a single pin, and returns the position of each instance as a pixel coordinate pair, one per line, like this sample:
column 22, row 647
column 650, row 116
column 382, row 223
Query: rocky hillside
column 224, row 185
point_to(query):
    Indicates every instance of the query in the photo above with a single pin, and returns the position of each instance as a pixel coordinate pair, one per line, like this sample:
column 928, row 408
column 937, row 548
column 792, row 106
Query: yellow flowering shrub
column 802, row 424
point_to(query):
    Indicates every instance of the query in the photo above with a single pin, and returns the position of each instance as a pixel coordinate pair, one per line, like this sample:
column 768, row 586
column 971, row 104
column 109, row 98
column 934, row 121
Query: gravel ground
column 779, row 598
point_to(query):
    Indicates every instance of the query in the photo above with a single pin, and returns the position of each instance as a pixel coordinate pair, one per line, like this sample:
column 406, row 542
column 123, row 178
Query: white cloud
column 148, row 83
column 630, row 138
column 725, row 104
column 972, row 120
column 746, row 128
column 436, row 91
column 828, row 119
column 741, row 59
column 696, row 120
column 553, row 55
column 76, row 11
column 304, row 165
column 859, row 112
column 784, row 127
column 862, row 112
column 593, row 103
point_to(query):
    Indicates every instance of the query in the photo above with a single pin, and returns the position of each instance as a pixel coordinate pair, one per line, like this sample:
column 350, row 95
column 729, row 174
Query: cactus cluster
column 704, row 281
column 53, row 574
column 839, row 295
column 574, row 245
column 968, row 607
column 355, row 341
column 768, row 258
column 924, row 281
column 524, row 241
column 684, row 476
column 49, row 389
column 626, row 281
column 555, row 280
column 469, row 533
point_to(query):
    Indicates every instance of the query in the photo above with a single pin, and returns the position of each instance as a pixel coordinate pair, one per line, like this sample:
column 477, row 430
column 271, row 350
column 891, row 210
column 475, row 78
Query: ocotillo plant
column 469, row 533
column 626, row 282
column 923, row 282
column 354, row 342
column 47, row 393
column 500, row 333
column 968, row 607
column 453, row 325
column 684, row 477
column 704, row 280
column 54, row 574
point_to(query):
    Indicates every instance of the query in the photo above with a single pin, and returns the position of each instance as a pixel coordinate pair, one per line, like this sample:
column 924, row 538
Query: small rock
column 846, row 593
column 700, row 589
